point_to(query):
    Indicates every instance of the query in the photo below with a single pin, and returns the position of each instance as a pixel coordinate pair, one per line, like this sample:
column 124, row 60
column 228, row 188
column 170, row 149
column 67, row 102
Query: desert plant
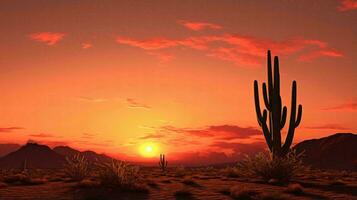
column 118, row 174
column 76, row 167
column 277, row 113
column 263, row 165
column 163, row 162
column 239, row 192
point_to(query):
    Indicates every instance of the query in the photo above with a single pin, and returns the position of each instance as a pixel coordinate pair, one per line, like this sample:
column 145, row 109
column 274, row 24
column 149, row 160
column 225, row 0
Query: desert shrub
column 238, row 192
column 183, row 193
column 265, row 166
column 295, row 188
column 189, row 181
column 272, row 196
column 231, row 172
column 180, row 171
column 121, row 175
column 76, row 167
column 23, row 179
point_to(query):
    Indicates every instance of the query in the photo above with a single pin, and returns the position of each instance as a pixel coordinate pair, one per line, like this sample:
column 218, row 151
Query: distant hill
column 43, row 157
column 8, row 148
column 89, row 155
column 35, row 156
column 338, row 151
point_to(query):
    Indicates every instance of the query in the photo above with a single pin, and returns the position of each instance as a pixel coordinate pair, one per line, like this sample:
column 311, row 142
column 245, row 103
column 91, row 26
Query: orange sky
column 114, row 75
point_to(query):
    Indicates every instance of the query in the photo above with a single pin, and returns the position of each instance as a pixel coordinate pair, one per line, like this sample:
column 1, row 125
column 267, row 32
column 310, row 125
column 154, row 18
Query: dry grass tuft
column 183, row 193
column 23, row 179
column 269, row 168
column 231, row 172
column 121, row 175
column 180, row 171
column 241, row 193
column 295, row 188
column 76, row 167
column 189, row 181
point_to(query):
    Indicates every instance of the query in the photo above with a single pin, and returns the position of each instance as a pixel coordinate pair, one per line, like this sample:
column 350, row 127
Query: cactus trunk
column 163, row 162
column 277, row 112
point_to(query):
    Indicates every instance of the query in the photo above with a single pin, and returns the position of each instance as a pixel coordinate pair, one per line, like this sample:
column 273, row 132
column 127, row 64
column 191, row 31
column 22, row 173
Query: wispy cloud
column 320, row 53
column 348, row 106
column 327, row 127
column 238, row 49
column 132, row 103
column 217, row 131
column 86, row 45
column 346, row 5
column 49, row 38
column 10, row 129
column 197, row 26
column 91, row 99
column 41, row 135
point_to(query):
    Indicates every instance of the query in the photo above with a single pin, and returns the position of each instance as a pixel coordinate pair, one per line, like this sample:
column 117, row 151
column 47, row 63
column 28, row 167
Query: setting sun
column 148, row 150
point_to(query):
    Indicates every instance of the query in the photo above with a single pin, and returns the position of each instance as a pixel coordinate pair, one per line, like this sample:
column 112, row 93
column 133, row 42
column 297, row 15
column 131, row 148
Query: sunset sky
column 118, row 76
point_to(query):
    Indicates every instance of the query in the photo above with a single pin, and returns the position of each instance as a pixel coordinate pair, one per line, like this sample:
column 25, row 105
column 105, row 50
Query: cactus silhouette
column 163, row 162
column 275, row 113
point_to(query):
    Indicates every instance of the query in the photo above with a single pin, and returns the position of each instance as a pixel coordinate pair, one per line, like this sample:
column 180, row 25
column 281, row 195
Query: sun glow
column 149, row 150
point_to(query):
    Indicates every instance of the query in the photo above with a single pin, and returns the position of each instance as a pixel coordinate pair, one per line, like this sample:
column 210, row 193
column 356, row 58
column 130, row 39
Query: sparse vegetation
column 76, row 167
column 22, row 179
column 120, row 175
column 180, row 171
column 241, row 193
column 231, row 172
column 268, row 168
column 183, row 193
column 295, row 188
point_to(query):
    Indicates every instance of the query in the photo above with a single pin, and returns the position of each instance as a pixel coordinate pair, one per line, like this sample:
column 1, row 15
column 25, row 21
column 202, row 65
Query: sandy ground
column 197, row 183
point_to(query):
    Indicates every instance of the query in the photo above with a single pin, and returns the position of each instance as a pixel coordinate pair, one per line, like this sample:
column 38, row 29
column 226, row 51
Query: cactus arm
column 298, row 120
column 266, row 97
column 261, row 118
column 283, row 118
column 293, row 122
column 270, row 76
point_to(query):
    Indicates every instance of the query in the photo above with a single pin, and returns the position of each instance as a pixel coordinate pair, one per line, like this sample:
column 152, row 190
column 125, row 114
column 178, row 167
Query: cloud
column 10, row 129
column 49, row 38
column 348, row 106
column 237, row 152
column 320, row 53
column 346, row 5
column 41, row 135
column 86, row 45
column 162, row 57
column 328, row 127
column 90, row 99
column 219, row 131
column 132, row 103
column 87, row 135
column 238, row 49
column 151, row 136
column 197, row 26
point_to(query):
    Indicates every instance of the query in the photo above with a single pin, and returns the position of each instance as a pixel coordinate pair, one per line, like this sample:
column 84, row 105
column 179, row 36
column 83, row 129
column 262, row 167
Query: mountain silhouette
column 35, row 156
column 338, row 151
column 8, row 148
column 91, row 156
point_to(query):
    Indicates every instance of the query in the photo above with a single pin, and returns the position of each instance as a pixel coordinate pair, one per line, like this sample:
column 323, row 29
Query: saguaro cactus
column 163, row 162
column 275, row 113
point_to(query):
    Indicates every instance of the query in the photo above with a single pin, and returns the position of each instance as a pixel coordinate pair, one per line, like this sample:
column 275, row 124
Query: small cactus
column 163, row 162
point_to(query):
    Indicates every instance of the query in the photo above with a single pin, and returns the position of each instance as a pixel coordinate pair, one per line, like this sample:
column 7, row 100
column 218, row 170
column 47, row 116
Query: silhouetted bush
column 281, row 169
column 76, row 167
column 120, row 175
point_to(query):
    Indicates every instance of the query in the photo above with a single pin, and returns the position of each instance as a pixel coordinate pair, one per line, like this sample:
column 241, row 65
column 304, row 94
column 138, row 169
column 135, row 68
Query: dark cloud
column 348, row 106
column 10, row 129
column 328, row 127
column 41, row 135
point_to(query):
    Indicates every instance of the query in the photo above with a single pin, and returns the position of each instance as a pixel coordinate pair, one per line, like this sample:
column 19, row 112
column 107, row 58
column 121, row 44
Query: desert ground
column 180, row 183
